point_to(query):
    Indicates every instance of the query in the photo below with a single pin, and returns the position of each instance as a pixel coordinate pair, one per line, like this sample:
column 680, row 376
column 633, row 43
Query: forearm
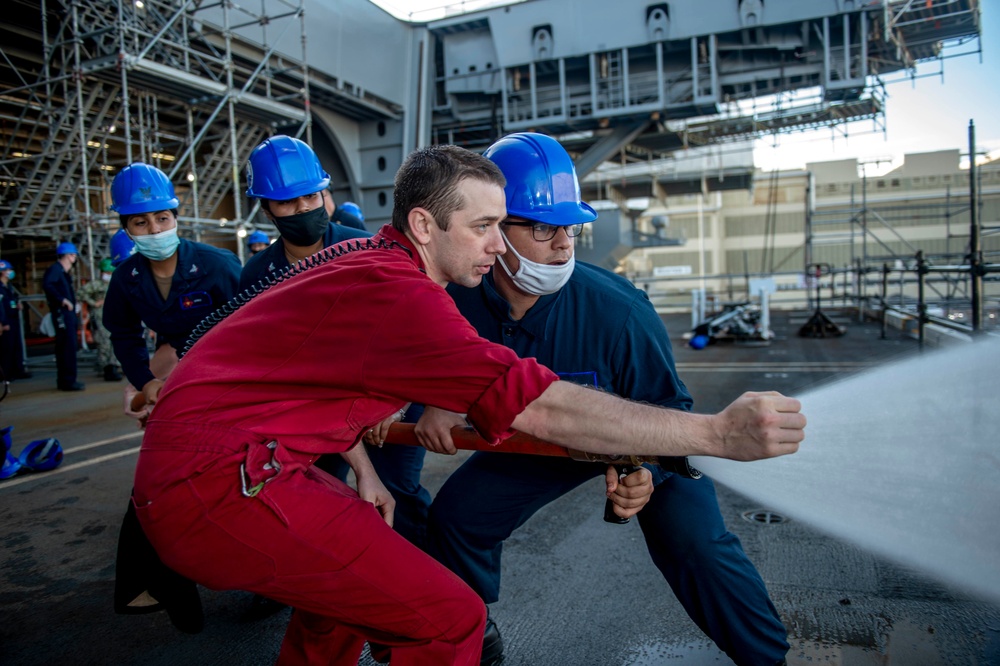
column 370, row 487
column 753, row 427
column 599, row 422
column 358, row 459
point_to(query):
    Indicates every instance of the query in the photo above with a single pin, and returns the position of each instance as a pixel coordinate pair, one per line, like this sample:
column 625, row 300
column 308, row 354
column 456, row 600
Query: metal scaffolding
column 99, row 85
column 878, row 237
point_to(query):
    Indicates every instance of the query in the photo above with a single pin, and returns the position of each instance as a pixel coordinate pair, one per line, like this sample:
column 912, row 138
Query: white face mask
column 157, row 247
column 106, row 277
column 534, row 278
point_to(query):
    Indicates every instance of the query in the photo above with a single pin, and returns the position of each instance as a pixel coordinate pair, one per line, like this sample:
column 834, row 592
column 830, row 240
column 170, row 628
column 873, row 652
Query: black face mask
column 303, row 229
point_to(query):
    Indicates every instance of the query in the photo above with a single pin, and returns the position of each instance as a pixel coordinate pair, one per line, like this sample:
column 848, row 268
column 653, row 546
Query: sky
column 930, row 112
column 927, row 112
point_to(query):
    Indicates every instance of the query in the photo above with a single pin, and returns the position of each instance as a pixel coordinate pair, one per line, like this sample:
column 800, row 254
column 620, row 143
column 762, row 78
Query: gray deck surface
column 576, row 591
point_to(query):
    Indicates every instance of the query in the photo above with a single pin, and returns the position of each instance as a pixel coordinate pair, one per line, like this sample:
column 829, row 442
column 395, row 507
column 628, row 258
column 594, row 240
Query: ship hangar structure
column 192, row 87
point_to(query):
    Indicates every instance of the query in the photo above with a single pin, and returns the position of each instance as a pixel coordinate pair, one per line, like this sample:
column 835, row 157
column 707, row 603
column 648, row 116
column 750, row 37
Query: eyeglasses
column 542, row 232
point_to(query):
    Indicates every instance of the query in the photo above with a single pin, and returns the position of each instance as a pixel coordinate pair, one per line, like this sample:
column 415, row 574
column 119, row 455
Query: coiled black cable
column 265, row 283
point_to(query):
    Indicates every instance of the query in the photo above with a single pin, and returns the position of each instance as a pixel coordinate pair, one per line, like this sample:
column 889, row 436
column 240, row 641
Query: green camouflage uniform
column 93, row 293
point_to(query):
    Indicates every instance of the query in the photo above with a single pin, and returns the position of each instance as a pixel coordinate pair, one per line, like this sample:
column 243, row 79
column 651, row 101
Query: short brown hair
column 429, row 179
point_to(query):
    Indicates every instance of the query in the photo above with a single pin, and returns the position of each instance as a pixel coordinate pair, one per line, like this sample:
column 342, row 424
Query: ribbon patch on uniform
column 585, row 378
column 195, row 299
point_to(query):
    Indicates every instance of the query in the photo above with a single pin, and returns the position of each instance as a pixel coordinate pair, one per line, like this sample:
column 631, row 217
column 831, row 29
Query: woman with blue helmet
column 168, row 284
column 286, row 175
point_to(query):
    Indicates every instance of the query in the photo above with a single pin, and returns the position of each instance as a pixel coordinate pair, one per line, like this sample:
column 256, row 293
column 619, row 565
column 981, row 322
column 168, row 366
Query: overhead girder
column 552, row 75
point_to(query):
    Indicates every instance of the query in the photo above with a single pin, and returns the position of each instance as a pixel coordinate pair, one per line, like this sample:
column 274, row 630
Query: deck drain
column 764, row 516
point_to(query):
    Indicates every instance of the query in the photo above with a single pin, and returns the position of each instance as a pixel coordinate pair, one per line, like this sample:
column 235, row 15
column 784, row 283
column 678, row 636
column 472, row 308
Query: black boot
column 144, row 584
column 111, row 374
column 492, row 644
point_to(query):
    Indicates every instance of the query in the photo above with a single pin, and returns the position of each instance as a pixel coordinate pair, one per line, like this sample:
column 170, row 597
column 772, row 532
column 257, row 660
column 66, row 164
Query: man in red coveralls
column 225, row 487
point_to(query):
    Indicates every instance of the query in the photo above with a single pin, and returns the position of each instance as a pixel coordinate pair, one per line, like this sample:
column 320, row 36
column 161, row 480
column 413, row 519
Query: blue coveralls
column 206, row 278
column 58, row 285
column 600, row 330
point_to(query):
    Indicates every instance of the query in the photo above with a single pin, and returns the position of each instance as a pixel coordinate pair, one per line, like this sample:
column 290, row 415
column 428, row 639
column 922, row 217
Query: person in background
column 595, row 328
column 122, row 247
column 92, row 294
column 61, row 297
column 257, row 242
column 11, row 339
column 351, row 208
column 349, row 216
column 285, row 174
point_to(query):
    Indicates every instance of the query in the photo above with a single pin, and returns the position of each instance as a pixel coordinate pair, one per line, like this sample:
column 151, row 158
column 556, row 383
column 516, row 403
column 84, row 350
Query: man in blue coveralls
column 285, row 174
column 592, row 327
column 61, row 296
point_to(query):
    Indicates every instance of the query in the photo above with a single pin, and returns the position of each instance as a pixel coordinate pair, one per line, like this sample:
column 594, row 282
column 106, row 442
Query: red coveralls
column 303, row 369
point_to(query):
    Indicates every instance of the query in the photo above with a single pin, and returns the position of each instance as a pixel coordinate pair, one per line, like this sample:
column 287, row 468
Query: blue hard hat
column 541, row 180
column 354, row 209
column 141, row 188
column 41, row 455
column 66, row 248
column 5, row 265
column 122, row 247
column 283, row 168
column 10, row 464
column 257, row 237
column 699, row 341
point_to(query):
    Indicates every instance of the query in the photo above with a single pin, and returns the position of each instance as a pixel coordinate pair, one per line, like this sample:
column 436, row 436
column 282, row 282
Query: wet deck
column 576, row 591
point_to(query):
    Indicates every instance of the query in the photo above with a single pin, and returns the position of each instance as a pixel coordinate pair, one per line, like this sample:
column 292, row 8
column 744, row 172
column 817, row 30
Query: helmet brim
column 146, row 207
column 563, row 214
column 291, row 192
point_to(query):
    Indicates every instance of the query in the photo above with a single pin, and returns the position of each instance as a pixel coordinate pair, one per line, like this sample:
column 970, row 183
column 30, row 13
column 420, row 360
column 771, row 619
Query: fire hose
column 465, row 438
